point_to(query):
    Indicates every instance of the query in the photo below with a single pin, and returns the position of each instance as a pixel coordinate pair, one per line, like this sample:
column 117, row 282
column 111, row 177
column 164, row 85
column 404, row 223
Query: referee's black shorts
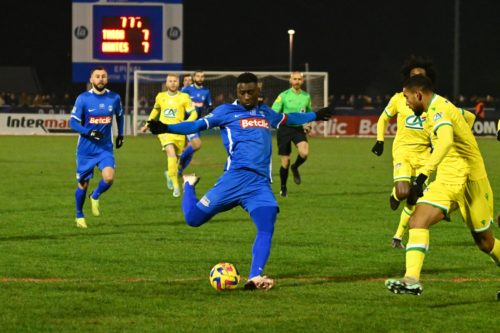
column 286, row 135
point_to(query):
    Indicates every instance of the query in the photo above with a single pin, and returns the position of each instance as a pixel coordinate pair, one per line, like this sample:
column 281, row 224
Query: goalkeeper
column 245, row 128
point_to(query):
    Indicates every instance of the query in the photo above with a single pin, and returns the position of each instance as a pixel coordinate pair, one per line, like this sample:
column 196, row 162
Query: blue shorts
column 238, row 188
column 85, row 165
column 190, row 137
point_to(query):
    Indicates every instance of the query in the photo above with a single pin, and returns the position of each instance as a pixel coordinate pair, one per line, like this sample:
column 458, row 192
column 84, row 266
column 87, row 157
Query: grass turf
column 139, row 268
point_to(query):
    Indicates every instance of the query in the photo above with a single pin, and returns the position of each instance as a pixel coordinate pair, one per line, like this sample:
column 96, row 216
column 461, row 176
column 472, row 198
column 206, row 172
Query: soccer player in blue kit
column 200, row 95
column 245, row 128
column 92, row 117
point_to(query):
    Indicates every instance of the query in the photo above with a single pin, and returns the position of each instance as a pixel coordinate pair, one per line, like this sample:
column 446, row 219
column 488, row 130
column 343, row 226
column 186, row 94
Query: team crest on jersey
column 414, row 122
column 254, row 123
column 169, row 113
column 438, row 116
column 110, row 108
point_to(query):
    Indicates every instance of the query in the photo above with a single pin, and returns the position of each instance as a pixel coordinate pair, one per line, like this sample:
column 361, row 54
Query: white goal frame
column 260, row 74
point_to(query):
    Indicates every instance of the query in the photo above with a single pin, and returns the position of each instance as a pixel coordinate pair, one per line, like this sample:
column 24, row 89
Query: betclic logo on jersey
column 100, row 120
column 254, row 122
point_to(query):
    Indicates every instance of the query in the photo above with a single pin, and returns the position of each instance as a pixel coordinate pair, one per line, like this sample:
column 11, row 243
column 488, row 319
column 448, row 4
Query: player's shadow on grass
column 55, row 237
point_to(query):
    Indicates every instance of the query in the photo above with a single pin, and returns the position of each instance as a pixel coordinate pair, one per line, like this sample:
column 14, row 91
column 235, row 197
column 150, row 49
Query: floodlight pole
column 291, row 32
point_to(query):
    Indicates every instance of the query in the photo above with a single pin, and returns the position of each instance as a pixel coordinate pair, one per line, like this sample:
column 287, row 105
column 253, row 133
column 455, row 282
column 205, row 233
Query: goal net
column 222, row 86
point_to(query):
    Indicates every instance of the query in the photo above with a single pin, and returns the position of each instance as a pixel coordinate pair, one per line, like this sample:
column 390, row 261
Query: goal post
column 222, row 86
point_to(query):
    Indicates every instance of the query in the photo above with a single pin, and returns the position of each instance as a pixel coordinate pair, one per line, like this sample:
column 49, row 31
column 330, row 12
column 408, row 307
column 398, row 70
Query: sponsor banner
column 48, row 124
column 367, row 126
column 42, row 124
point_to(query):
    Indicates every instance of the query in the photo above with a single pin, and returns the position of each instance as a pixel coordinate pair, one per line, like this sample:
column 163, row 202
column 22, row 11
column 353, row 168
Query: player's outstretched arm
column 186, row 127
column 299, row 118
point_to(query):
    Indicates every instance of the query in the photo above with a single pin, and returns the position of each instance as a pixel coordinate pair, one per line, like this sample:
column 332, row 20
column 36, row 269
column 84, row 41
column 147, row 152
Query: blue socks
column 192, row 214
column 185, row 158
column 264, row 219
column 101, row 188
column 80, row 199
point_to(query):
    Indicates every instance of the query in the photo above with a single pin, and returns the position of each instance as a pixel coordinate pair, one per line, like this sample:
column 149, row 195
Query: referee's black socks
column 283, row 175
column 299, row 161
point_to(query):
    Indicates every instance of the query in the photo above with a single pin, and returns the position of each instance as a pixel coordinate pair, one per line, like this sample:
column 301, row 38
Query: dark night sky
column 360, row 43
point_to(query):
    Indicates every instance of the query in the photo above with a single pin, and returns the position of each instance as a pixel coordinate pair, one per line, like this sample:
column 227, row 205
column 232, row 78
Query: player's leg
column 300, row 140
column 194, row 144
column 260, row 202
column 80, row 194
column 264, row 219
column 402, row 173
column 84, row 172
column 219, row 198
column 434, row 206
column 477, row 212
column 404, row 220
column 107, row 166
column 170, row 151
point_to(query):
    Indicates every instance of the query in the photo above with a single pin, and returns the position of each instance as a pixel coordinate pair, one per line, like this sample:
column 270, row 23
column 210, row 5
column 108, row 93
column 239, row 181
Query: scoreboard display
column 126, row 34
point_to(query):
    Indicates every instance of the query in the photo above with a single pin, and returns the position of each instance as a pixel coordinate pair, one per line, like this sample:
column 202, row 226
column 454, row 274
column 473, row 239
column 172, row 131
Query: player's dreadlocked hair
column 247, row 78
column 419, row 61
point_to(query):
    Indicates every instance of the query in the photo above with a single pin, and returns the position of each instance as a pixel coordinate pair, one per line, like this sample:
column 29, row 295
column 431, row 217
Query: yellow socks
column 495, row 253
column 172, row 171
column 403, row 221
column 418, row 244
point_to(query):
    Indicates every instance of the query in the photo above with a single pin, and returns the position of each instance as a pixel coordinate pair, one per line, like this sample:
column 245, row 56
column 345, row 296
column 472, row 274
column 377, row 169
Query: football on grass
column 224, row 276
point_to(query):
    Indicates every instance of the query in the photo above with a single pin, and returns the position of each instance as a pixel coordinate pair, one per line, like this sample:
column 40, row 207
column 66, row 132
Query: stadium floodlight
column 291, row 32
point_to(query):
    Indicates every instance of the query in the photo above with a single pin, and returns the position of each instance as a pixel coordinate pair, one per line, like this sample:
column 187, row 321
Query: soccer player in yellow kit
column 461, row 182
column 170, row 107
column 411, row 148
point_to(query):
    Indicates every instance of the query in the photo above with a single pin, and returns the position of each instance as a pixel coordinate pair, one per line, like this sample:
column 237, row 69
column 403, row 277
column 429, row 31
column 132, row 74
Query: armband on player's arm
column 441, row 148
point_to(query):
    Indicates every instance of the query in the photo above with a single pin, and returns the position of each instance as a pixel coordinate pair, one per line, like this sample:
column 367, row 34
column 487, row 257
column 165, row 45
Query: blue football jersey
column 246, row 135
column 200, row 97
column 95, row 112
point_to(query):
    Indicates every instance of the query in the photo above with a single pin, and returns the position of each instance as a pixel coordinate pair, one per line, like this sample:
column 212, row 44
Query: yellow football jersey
column 463, row 160
column 411, row 134
column 172, row 109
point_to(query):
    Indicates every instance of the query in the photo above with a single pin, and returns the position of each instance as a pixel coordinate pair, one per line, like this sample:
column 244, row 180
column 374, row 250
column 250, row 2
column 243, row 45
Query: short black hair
column 419, row 81
column 247, row 78
column 419, row 61
column 98, row 68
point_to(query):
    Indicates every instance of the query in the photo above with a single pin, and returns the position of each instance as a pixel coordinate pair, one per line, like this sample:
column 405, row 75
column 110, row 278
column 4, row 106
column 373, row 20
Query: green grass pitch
column 139, row 268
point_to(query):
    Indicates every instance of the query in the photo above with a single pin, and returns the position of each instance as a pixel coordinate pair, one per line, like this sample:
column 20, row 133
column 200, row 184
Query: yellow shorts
column 474, row 198
column 178, row 141
column 406, row 166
